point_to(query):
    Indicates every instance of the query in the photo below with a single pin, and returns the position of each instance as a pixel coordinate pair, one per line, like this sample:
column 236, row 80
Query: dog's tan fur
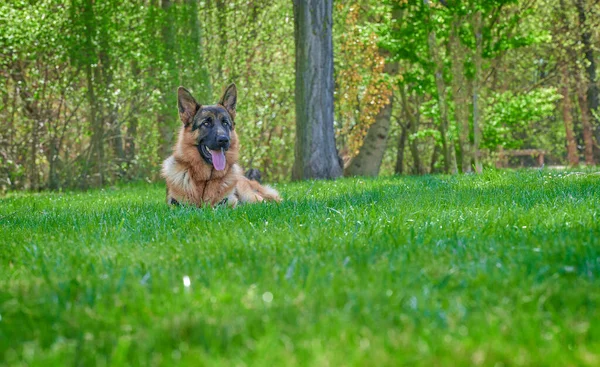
column 191, row 180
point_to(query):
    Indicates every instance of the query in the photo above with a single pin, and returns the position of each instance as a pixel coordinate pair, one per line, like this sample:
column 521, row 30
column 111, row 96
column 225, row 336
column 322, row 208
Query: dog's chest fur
column 192, row 182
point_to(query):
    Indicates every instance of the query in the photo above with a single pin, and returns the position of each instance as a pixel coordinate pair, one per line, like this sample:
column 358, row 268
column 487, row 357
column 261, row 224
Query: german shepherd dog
column 203, row 168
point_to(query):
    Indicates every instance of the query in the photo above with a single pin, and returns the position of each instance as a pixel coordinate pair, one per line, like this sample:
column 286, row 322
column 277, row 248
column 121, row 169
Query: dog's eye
column 225, row 122
column 207, row 122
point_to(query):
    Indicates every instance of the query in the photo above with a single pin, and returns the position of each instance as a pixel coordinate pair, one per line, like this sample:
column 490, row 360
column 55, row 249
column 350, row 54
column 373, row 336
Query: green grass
column 499, row 268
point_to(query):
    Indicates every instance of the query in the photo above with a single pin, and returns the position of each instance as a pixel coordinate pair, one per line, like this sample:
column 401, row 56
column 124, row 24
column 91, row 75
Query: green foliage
column 90, row 78
column 512, row 121
column 450, row 270
column 87, row 88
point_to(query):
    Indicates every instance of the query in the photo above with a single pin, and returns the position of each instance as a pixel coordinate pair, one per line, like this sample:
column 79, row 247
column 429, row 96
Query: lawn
column 498, row 269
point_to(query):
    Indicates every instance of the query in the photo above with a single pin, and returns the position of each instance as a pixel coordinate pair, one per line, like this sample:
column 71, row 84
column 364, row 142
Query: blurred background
column 88, row 87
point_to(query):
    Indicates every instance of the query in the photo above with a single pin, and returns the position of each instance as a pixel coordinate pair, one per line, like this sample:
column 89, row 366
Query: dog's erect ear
column 229, row 99
column 187, row 106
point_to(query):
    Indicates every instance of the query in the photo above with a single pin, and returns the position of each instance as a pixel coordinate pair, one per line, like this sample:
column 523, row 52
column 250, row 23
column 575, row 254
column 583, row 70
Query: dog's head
column 210, row 128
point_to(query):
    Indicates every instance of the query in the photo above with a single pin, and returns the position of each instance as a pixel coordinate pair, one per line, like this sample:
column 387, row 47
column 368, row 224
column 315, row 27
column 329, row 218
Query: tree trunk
column 413, row 120
column 568, row 118
column 97, row 138
column 369, row 158
column 222, row 14
column 460, row 98
column 32, row 111
column 117, row 143
column 368, row 161
column 53, row 181
column 315, row 154
column 166, row 118
column 434, row 158
column 7, row 152
column 130, row 149
column 132, row 127
column 201, row 75
column 447, row 143
column 593, row 100
column 114, row 127
column 34, row 140
column 588, row 139
column 476, row 84
column 399, row 169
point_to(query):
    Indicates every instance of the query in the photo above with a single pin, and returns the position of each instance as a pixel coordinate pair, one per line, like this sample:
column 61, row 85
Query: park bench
column 503, row 155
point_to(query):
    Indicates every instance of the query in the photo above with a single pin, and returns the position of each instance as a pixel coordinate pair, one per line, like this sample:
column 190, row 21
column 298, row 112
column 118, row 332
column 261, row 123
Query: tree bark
column 399, row 169
column 593, row 100
column 33, row 112
column 115, row 135
column 588, row 139
column 97, row 139
column 166, row 119
column 369, row 158
column 315, row 152
column 222, row 32
column 476, row 84
column 34, row 141
column 447, row 142
column 7, row 152
column 201, row 74
column 413, row 127
column 460, row 98
column 567, row 117
column 132, row 127
column 434, row 158
column 368, row 161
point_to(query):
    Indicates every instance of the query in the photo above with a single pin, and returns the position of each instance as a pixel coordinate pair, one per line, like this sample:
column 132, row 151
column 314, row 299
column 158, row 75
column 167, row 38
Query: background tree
column 364, row 82
column 584, row 10
column 316, row 155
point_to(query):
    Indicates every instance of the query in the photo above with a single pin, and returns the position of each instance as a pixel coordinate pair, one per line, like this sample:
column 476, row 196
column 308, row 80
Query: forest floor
column 438, row 270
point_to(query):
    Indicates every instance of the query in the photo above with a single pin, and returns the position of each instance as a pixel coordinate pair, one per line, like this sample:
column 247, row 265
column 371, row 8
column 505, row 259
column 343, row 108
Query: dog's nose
column 222, row 140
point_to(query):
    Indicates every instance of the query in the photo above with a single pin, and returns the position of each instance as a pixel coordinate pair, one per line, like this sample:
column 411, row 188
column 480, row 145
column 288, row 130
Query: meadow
column 497, row 269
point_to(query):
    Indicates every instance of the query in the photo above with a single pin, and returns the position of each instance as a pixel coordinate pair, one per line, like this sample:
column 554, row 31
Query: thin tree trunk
column 593, row 99
column 315, row 154
column 117, row 142
column 9, row 147
column 413, row 128
column 54, row 142
column 447, row 143
column 588, row 139
column 460, row 98
column 130, row 149
column 166, row 119
column 568, row 118
column 94, row 155
column 221, row 30
column 114, row 127
column 132, row 126
column 53, row 148
column 32, row 111
column 399, row 169
column 476, row 84
column 369, row 158
column 97, row 138
column 34, row 140
column 201, row 75
column 434, row 158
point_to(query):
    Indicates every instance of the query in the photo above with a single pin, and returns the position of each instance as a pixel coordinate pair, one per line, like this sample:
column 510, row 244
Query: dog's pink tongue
column 218, row 159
